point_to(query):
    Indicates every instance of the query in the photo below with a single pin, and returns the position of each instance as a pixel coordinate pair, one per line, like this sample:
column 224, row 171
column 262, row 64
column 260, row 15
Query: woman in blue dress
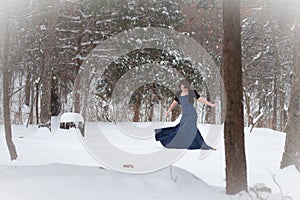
column 184, row 135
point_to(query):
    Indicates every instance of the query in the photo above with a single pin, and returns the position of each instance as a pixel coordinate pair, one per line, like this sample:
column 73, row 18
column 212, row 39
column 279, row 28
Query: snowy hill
column 58, row 166
column 61, row 182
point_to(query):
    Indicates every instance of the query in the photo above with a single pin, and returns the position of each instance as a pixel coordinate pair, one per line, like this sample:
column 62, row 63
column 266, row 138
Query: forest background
column 72, row 29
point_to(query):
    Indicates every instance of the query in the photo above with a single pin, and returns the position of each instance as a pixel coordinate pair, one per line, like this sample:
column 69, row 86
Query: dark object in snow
column 72, row 120
column 128, row 166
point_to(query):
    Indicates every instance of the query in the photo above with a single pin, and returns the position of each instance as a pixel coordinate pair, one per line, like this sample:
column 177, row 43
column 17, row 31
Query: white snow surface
column 71, row 117
column 57, row 166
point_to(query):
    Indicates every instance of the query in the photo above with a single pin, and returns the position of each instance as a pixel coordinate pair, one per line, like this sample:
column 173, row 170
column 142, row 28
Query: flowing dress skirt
column 184, row 135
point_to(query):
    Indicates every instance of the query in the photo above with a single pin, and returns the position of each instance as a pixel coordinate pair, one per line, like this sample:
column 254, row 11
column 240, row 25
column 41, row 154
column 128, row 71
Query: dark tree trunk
column 6, row 89
column 55, row 100
column 137, row 108
column 151, row 112
column 283, row 112
column 76, row 96
column 46, row 81
column 30, row 117
column 208, row 108
column 291, row 154
column 275, row 100
column 37, row 103
column 223, row 101
column 78, row 81
column 236, row 172
column 261, row 94
column 162, row 110
column 248, row 109
column 28, row 87
column 260, row 122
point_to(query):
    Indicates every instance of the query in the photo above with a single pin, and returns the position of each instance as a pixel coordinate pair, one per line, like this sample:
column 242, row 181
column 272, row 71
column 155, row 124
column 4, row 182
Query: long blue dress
column 184, row 135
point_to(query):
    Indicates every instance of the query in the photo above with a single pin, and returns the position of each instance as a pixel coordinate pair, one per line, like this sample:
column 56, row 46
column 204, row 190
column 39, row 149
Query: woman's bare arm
column 172, row 106
column 204, row 101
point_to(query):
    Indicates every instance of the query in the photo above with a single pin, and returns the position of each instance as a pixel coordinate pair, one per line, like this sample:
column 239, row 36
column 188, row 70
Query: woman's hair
column 185, row 83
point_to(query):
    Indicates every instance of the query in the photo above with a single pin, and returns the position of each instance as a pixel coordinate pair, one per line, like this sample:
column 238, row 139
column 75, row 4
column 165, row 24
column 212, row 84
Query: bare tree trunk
column 291, row 155
column 236, row 172
column 37, row 103
column 151, row 112
column 277, row 74
column 6, row 90
column 261, row 97
column 46, row 81
column 78, row 81
column 211, row 94
column 162, row 109
column 283, row 113
column 30, row 114
column 137, row 106
column 223, row 100
column 55, row 98
column 260, row 107
column 76, row 95
column 208, row 108
column 144, row 110
column 249, row 121
column 275, row 99
column 30, row 117
column 136, row 110
column 20, row 113
column 86, row 93
column 28, row 87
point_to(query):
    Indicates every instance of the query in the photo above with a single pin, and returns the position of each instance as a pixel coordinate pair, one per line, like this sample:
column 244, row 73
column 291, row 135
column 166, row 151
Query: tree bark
column 208, row 116
column 20, row 113
column 37, row 103
column 76, row 94
column 275, row 100
column 137, row 108
column 55, row 98
column 236, row 172
column 30, row 117
column 248, row 108
column 6, row 89
column 291, row 154
column 283, row 112
column 28, row 85
column 46, row 81
column 162, row 110
column 151, row 112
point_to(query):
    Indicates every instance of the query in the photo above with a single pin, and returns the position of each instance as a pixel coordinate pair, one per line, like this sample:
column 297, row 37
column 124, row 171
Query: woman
column 184, row 135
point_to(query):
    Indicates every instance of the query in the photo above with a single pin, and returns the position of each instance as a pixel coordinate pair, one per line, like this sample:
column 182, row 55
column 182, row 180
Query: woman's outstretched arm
column 172, row 106
column 204, row 101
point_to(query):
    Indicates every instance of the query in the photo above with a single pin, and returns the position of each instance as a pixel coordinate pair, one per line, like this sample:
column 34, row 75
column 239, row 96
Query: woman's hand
column 168, row 113
column 174, row 103
column 214, row 105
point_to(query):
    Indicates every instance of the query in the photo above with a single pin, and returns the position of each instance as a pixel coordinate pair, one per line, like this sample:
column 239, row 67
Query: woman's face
column 183, row 88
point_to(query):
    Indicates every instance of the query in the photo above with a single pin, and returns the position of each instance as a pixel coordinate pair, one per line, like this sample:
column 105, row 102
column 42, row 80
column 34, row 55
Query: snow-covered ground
column 57, row 166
